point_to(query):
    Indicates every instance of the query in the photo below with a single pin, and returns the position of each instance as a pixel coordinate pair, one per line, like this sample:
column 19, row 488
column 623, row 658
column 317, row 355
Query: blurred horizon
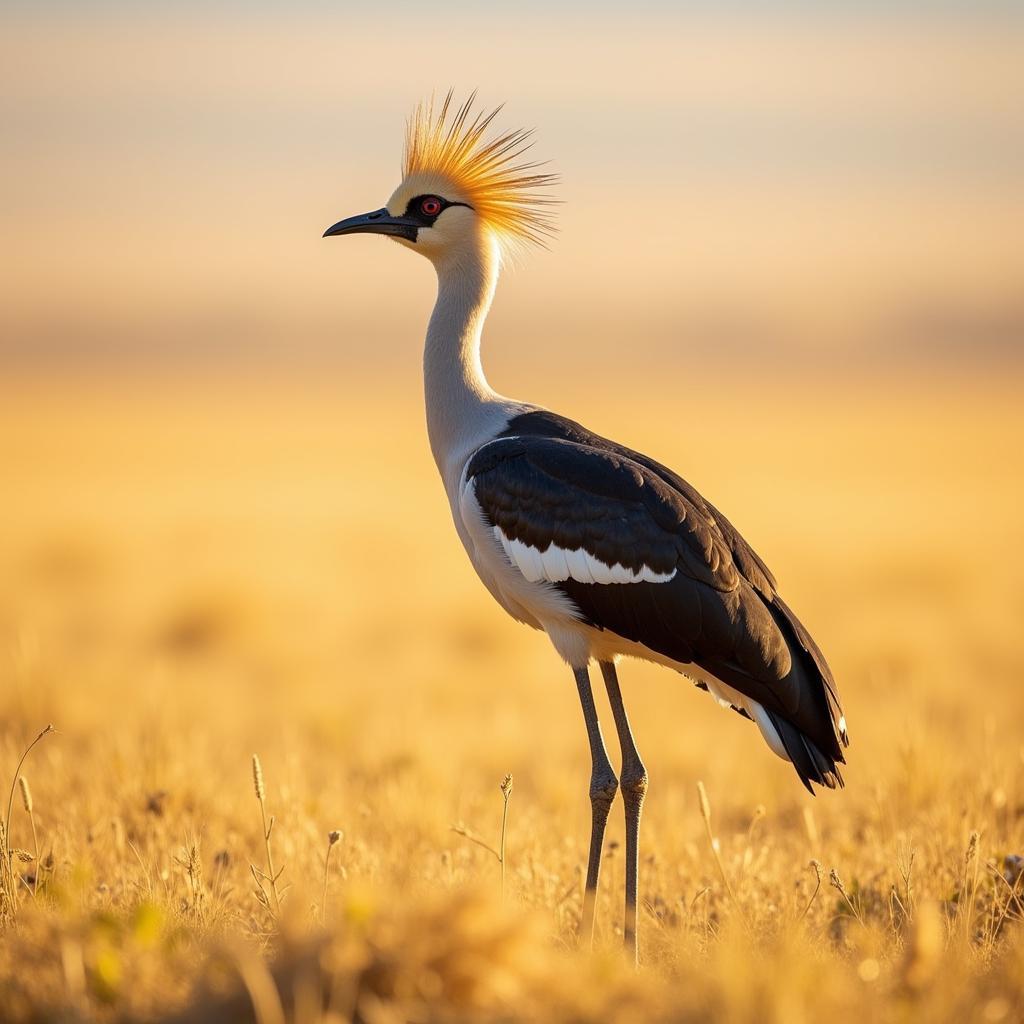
column 793, row 189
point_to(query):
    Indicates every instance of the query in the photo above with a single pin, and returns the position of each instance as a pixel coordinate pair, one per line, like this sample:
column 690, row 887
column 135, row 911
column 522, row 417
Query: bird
column 604, row 549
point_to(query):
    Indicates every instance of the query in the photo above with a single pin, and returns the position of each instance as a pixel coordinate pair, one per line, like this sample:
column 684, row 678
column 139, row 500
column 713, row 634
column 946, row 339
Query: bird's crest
column 505, row 190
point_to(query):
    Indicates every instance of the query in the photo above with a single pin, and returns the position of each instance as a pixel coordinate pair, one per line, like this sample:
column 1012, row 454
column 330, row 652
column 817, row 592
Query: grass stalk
column 27, row 803
column 969, row 889
column 498, row 854
column 506, row 792
column 705, row 812
column 271, row 876
column 8, row 878
column 815, row 866
column 17, row 773
column 837, row 883
column 333, row 838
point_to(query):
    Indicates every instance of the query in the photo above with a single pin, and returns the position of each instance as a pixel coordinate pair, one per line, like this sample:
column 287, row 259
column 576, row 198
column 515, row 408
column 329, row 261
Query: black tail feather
column 810, row 763
column 794, row 629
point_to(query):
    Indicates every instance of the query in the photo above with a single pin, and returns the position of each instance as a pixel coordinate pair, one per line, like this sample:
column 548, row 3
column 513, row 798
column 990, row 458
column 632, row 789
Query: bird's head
column 460, row 187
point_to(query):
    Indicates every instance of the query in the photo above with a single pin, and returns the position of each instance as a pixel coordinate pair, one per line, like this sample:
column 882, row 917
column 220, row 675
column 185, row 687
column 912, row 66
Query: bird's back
column 722, row 613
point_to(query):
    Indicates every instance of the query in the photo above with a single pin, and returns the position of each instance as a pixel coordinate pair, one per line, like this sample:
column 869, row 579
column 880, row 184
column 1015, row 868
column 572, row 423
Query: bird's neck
column 462, row 409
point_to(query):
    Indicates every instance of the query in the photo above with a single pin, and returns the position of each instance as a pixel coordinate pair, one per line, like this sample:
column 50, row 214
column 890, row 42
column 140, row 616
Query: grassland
column 190, row 574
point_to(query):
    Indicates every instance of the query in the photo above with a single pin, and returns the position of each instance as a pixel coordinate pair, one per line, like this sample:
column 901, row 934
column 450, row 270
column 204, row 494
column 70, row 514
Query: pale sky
column 841, row 179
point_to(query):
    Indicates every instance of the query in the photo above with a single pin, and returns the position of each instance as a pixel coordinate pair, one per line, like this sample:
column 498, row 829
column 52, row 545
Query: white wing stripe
column 555, row 564
column 579, row 568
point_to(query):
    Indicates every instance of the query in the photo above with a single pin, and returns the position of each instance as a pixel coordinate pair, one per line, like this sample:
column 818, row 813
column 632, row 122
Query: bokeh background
column 790, row 264
column 783, row 185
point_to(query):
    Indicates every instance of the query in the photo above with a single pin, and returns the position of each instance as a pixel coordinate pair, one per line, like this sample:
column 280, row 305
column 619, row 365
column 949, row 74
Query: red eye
column 431, row 206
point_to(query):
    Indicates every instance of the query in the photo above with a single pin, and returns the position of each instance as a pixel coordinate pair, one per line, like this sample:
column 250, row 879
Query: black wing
column 550, row 481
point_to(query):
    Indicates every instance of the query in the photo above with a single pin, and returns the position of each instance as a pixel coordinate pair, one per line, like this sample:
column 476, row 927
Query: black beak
column 380, row 222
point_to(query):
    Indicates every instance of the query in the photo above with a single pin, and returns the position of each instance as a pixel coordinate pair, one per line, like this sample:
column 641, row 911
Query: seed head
column 972, row 847
column 506, row 787
column 26, row 793
column 334, row 836
column 705, row 806
column 257, row 777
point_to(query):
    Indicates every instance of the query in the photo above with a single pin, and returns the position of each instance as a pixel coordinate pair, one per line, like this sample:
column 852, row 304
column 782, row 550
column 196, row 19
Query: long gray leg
column 634, row 786
column 603, row 786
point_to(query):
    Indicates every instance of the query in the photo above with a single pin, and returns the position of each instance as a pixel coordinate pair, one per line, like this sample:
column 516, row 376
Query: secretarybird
column 603, row 548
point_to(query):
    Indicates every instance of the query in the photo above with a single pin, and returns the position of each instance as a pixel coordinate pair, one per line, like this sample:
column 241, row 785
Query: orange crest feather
column 506, row 192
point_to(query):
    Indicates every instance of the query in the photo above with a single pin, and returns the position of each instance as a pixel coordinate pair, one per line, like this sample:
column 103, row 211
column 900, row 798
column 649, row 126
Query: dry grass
column 188, row 577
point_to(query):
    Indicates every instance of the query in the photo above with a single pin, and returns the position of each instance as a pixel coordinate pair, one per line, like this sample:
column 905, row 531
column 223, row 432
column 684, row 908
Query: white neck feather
column 463, row 411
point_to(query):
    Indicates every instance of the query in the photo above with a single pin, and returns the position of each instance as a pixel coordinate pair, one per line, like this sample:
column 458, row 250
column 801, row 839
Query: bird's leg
column 603, row 786
column 634, row 786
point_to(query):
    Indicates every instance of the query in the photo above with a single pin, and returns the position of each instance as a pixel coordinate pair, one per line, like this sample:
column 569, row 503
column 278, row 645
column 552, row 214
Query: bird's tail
column 811, row 763
column 816, row 759
column 785, row 737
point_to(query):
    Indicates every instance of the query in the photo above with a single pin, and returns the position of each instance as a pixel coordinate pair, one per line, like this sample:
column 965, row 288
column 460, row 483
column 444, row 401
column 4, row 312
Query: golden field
column 196, row 570
column 790, row 262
